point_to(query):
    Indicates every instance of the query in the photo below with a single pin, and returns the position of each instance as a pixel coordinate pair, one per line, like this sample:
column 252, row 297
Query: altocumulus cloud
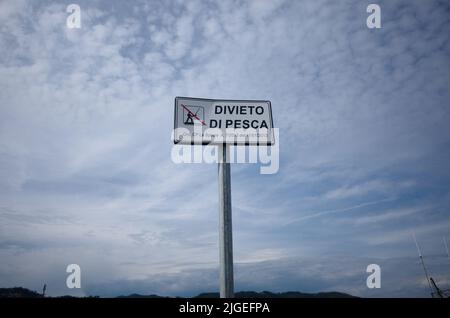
column 85, row 122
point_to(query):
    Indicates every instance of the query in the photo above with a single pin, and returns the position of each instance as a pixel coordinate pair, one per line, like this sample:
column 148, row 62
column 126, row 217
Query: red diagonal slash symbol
column 193, row 115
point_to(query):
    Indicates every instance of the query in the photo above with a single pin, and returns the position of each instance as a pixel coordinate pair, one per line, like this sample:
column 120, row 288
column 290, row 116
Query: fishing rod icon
column 190, row 116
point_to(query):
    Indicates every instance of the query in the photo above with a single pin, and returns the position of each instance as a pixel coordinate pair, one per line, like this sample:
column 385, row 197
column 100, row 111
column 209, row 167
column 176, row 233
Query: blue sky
column 86, row 175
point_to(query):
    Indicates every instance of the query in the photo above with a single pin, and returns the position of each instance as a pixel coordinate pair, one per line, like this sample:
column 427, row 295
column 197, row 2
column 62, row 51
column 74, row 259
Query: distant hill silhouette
column 290, row 294
column 141, row 296
column 20, row 292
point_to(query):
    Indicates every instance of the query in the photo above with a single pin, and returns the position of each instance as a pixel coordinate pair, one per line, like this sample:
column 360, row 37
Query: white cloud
column 262, row 8
column 391, row 215
column 370, row 187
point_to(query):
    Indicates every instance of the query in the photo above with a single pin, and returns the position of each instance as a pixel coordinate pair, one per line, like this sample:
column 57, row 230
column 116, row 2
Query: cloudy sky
column 86, row 175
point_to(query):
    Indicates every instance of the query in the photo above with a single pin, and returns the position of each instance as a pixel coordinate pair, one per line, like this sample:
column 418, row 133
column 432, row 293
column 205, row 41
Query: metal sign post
column 225, row 225
column 200, row 121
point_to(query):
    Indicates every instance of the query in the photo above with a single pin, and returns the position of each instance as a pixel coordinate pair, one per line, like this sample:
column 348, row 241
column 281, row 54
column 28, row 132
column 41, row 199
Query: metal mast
column 423, row 264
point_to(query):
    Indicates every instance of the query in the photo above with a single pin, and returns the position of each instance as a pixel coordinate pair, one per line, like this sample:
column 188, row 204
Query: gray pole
column 225, row 229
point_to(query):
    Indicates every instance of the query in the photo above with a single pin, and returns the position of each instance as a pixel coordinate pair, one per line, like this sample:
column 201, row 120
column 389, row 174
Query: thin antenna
column 417, row 245
column 438, row 291
column 423, row 264
column 446, row 247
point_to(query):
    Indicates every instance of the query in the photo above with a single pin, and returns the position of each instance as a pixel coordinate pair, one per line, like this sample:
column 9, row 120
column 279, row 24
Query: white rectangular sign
column 218, row 121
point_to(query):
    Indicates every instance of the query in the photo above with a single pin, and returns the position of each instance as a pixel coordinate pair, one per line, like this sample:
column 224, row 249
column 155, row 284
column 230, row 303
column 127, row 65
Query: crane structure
column 435, row 291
